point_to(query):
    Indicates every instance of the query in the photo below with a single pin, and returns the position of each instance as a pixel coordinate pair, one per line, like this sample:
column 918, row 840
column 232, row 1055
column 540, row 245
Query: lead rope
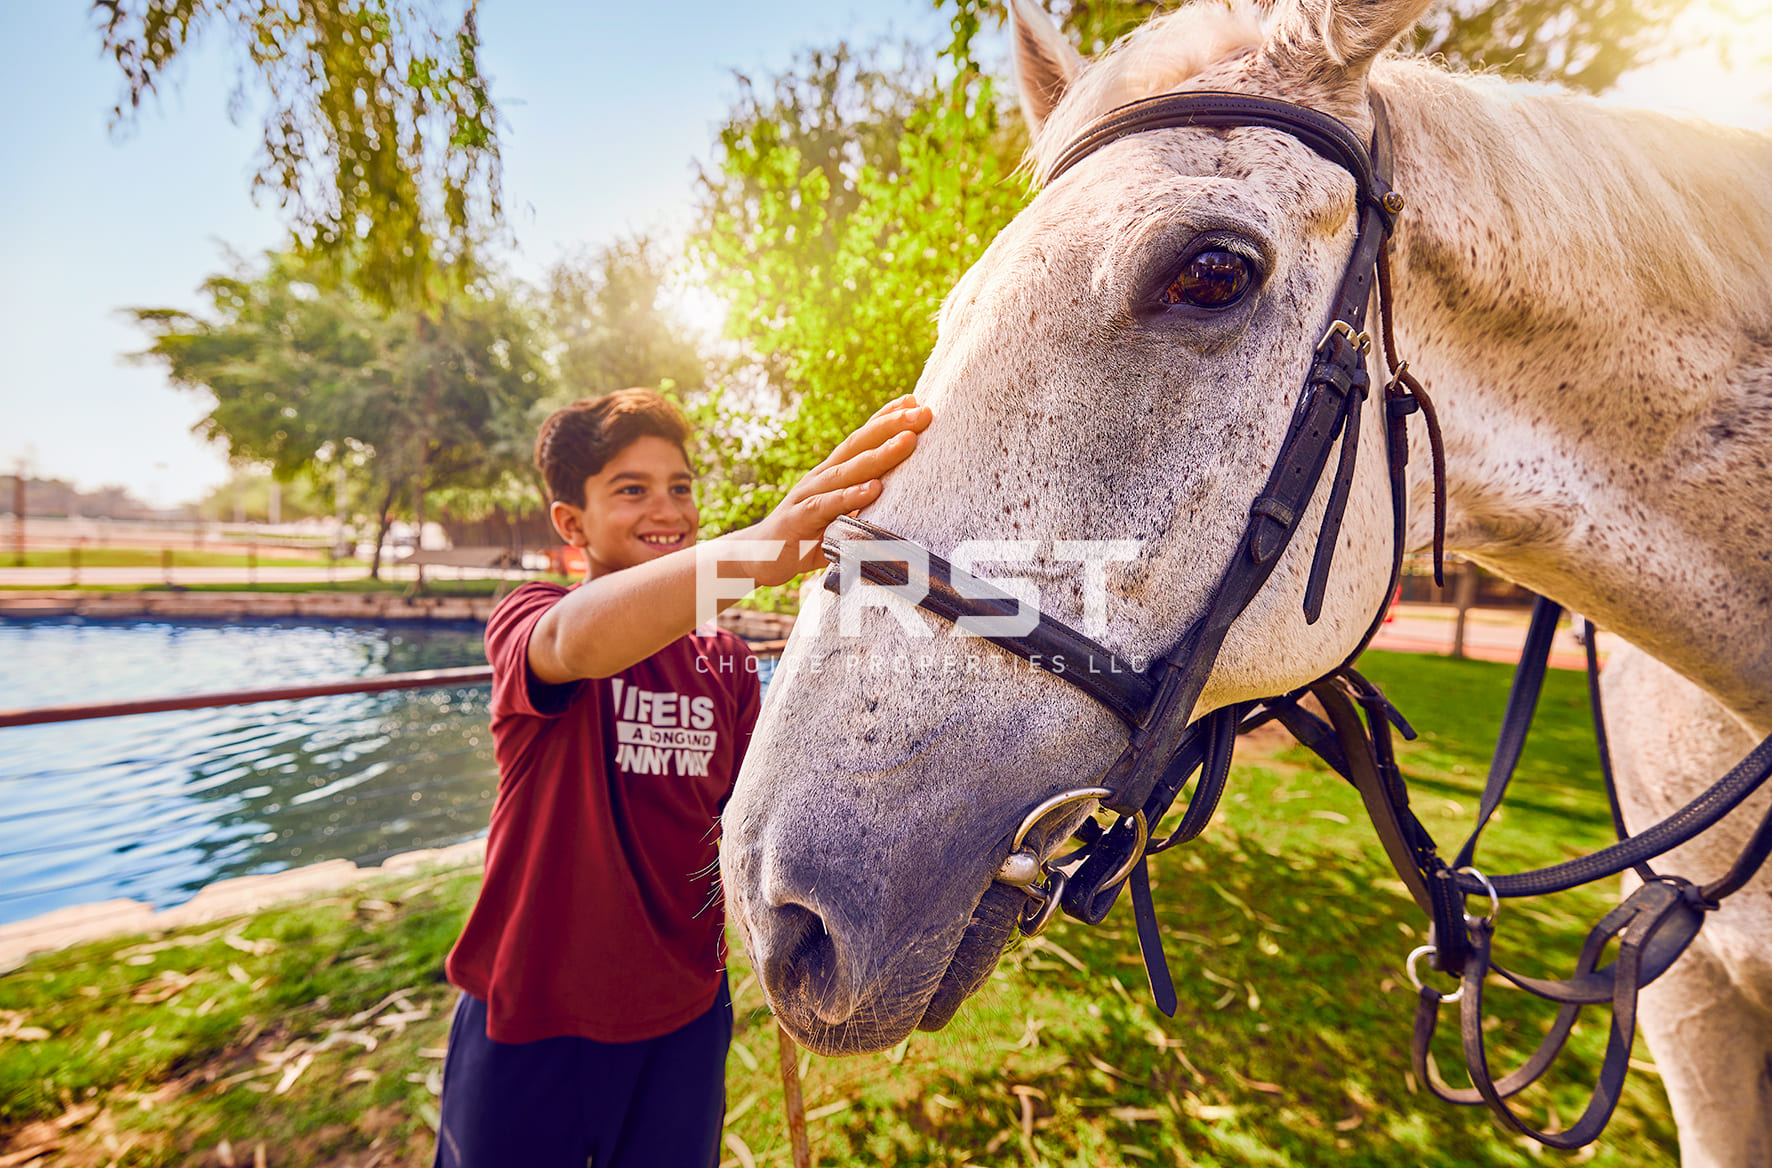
column 790, row 1095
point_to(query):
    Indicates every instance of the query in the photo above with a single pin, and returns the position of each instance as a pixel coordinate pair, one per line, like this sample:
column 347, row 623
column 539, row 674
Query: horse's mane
column 1627, row 191
column 1683, row 209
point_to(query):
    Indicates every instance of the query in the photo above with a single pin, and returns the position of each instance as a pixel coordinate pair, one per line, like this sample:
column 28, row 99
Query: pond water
column 155, row 806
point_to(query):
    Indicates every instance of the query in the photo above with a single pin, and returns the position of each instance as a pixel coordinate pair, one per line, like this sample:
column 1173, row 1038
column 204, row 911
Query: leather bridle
column 1165, row 750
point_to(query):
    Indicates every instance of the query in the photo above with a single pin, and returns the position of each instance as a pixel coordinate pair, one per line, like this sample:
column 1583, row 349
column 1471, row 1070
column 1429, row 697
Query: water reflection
column 156, row 806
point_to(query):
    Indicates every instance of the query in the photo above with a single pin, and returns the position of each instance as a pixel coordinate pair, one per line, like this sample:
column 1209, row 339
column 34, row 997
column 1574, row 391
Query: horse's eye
column 1215, row 278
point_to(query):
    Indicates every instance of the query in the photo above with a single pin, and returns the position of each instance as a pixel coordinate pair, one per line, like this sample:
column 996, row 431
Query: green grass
column 128, row 557
column 434, row 586
column 1286, row 932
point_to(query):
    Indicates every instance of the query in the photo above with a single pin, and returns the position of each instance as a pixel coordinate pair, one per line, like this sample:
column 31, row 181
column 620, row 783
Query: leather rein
column 1165, row 750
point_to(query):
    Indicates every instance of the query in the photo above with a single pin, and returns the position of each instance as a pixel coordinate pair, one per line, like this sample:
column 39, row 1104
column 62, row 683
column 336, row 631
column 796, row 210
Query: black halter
column 1165, row 750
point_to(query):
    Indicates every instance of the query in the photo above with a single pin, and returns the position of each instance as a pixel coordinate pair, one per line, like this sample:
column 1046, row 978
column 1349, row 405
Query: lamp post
column 18, row 514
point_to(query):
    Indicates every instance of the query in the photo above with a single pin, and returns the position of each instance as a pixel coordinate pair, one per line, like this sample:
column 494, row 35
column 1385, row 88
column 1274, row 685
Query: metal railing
column 419, row 679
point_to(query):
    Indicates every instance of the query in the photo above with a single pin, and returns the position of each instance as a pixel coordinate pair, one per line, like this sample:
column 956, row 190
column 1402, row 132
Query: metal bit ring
column 1416, row 955
column 1046, row 806
column 1043, row 903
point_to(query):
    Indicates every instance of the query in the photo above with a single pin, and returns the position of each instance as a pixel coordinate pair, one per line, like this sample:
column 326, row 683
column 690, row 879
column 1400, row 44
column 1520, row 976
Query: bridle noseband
column 1165, row 750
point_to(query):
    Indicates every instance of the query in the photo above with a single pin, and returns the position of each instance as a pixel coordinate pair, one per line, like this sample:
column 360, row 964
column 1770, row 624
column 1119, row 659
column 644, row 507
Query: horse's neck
column 1587, row 294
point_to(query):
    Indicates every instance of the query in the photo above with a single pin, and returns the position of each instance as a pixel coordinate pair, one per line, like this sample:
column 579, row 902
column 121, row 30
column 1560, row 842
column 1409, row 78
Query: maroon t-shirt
column 600, row 915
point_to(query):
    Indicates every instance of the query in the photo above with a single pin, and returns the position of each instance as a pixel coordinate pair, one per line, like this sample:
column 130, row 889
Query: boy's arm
column 613, row 621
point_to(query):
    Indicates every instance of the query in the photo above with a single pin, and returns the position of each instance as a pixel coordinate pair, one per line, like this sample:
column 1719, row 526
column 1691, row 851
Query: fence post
column 252, row 565
column 18, row 515
column 166, row 564
column 74, row 562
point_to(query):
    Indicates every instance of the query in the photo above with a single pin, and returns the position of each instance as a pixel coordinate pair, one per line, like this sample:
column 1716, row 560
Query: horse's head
column 1121, row 366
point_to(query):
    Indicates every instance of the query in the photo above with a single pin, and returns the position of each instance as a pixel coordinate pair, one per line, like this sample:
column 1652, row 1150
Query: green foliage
column 613, row 327
column 307, row 374
column 380, row 133
column 834, row 254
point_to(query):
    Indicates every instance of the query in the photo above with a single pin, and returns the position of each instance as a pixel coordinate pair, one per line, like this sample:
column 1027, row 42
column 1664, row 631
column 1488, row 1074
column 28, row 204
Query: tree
column 307, row 375
column 833, row 249
column 380, row 134
column 615, row 329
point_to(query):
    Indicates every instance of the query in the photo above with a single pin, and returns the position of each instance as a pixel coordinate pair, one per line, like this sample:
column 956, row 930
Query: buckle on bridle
column 1360, row 341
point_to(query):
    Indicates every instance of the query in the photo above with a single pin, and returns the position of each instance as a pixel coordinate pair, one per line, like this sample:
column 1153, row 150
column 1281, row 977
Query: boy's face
column 639, row 507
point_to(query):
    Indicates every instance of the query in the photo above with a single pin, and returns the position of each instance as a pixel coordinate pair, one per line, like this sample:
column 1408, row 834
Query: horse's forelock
column 1154, row 58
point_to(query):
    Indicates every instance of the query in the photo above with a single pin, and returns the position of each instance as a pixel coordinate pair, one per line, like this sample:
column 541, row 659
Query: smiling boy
column 593, row 1022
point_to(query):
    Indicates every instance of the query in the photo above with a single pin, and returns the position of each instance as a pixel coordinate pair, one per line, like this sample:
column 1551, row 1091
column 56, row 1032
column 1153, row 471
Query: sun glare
column 1726, row 77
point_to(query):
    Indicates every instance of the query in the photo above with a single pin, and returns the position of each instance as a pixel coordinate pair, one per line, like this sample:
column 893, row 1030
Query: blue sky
column 607, row 107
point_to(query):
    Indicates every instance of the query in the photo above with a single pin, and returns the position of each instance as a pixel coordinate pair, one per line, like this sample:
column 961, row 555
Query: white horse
column 1587, row 294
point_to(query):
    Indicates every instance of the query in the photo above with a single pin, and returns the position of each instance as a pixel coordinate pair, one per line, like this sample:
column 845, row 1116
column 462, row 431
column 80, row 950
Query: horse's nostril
column 808, row 967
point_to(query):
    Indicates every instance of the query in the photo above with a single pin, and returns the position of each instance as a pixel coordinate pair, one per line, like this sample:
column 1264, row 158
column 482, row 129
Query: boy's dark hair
column 578, row 440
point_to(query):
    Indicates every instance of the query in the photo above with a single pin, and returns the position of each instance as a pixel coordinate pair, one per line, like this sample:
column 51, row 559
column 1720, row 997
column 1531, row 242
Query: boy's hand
column 847, row 480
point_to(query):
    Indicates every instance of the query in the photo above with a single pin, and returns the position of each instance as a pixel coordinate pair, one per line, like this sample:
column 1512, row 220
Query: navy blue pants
column 563, row 1102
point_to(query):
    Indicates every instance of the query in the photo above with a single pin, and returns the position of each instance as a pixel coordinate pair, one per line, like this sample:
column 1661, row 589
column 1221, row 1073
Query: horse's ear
column 1045, row 63
column 1351, row 33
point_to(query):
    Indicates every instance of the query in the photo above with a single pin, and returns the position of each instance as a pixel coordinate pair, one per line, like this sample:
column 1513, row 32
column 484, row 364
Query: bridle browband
column 1165, row 750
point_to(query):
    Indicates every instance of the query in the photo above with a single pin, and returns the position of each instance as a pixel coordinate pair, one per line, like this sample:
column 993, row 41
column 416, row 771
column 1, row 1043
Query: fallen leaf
column 740, row 1149
column 827, row 1110
column 1256, row 1084
column 360, row 1075
column 1063, row 954
column 171, row 983
column 258, row 948
column 75, row 1115
column 745, row 1105
column 1105, row 1068
column 291, row 1073
column 392, row 999
column 12, row 1025
column 238, row 974
column 26, row 1155
column 1136, row 1114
